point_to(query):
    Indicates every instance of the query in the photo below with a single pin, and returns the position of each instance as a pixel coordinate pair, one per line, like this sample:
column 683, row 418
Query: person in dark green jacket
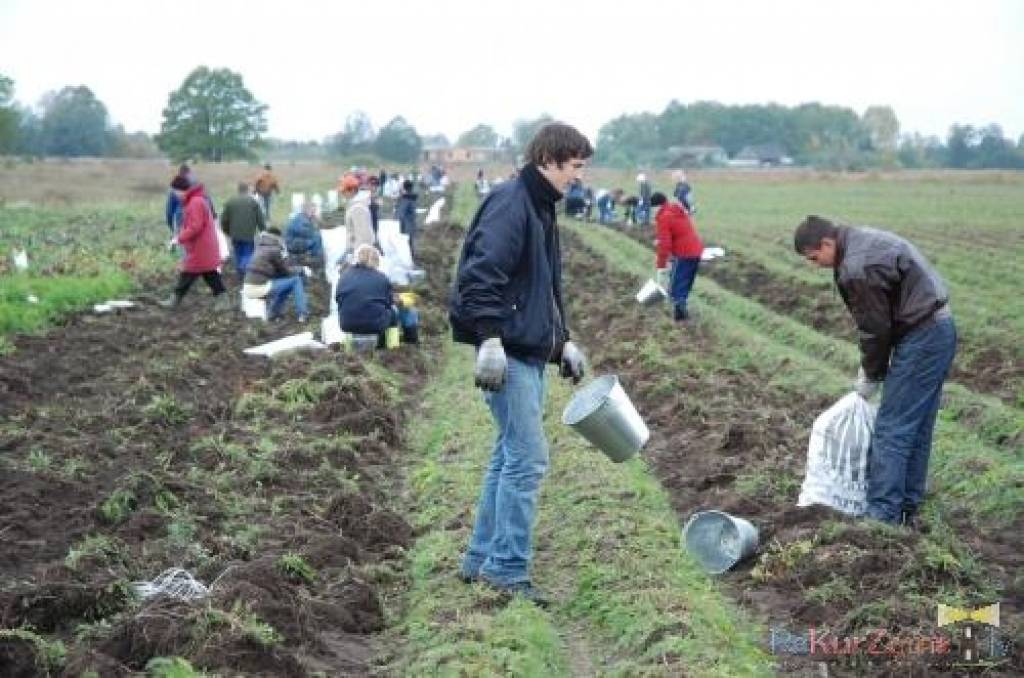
column 242, row 220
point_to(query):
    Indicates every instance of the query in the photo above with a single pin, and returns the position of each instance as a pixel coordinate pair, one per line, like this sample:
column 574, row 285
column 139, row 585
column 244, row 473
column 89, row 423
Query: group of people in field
column 274, row 266
column 508, row 302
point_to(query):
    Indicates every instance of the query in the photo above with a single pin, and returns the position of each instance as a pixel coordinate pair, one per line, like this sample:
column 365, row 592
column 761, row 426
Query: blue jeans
column 605, row 213
column 902, row 443
column 265, row 200
column 243, row 255
column 643, row 213
column 280, row 288
column 500, row 548
column 684, row 272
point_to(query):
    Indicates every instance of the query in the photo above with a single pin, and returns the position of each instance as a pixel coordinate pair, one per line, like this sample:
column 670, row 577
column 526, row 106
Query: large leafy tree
column 212, row 116
column 398, row 141
column 882, row 127
column 73, row 123
column 481, row 135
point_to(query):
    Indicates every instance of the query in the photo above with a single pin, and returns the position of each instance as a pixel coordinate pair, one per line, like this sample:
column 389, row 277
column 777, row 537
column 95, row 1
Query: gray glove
column 491, row 365
column 573, row 362
column 863, row 387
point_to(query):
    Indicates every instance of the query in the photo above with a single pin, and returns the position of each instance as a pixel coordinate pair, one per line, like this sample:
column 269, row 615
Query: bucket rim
column 609, row 380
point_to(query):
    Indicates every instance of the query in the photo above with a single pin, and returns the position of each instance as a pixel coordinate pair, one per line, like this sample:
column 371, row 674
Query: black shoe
column 680, row 314
column 910, row 520
column 467, row 578
column 522, row 589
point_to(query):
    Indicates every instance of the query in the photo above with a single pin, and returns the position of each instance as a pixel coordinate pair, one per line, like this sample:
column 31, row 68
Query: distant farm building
column 696, row 156
column 765, row 155
column 442, row 154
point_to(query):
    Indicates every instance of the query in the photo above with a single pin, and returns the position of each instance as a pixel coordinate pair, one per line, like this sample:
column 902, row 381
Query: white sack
column 296, row 342
column 434, row 215
column 330, row 330
column 21, row 260
column 222, row 243
column 297, row 200
column 837, row 456
column 255, row 309
column 710, row 253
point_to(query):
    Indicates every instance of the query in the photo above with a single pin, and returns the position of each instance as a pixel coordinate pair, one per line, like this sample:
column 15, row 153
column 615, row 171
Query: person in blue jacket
column 507, row 303
column 302, row 237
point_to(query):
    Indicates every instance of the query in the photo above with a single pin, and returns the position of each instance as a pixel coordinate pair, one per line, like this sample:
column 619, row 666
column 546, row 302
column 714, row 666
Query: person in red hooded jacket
column 198, row 237
column 677, row 240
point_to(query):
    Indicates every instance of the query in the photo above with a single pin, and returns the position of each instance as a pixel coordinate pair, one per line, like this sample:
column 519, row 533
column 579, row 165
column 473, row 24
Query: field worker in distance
column 682, row 191
column 643, row 203
column 678, row 241
column 907, row 340
column 302, row 236
column 199, row 240
column 269, row 278
column 242, row 220
column 357, row 213
column 266, row 186
column 366, row 300
column 606, row 205
column 174, row 211
column 373, row 183
column 507, row 302
column 405, row 210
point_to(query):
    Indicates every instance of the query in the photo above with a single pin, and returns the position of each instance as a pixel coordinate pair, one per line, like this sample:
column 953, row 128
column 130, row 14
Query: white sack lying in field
column 296, row 342
column 837, row 456
column 434, row 215
column 710, row 253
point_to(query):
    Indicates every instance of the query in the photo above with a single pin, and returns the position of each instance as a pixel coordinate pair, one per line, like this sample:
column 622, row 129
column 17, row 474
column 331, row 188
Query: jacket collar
column 542, row 193
column 841, row 238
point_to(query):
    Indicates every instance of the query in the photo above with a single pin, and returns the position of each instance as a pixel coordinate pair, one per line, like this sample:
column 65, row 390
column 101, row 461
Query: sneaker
column 467, row 578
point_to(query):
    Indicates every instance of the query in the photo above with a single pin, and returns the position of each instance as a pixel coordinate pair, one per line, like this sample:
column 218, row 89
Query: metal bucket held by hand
column 651, row 293
column 718, row 540
column 602, row 413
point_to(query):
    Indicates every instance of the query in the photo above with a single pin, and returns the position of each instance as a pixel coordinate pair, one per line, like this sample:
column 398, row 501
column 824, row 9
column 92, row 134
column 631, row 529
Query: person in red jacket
column 198, row 237
column 677, row 240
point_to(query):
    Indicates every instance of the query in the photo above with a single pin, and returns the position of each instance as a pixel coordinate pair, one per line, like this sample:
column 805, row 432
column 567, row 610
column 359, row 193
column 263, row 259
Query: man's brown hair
column 557, row 142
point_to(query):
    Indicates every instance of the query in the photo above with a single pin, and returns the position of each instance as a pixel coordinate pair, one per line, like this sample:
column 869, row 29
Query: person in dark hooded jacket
column 405, row 209
column 366, row 300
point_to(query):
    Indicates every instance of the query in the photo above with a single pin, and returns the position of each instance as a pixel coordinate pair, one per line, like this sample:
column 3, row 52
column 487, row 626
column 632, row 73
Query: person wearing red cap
column 676, row 239
column 198, row 237
column 358, row 220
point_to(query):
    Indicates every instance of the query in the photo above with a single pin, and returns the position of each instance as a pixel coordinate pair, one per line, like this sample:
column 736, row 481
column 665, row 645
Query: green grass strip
column 607, row 547
column 55, row 297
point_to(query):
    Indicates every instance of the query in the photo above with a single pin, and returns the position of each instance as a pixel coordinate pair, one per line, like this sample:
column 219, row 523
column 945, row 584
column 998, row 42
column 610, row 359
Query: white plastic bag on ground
column 837, row 456
column 20, row 258
column 434, row 215
column 296, row 342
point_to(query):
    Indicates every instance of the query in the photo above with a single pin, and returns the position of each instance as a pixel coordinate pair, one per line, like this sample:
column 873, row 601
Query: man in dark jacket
column 507, row 302
column 241, row 219
column 405, row 210
column 269, row 278
column 907, row 340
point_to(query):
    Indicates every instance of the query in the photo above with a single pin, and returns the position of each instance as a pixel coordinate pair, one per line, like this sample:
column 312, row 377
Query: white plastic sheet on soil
column 837, row 456
column 297, row 342
column 710, row 253
column 174, row 582
column 335, row 248
column 21, row 260
column 434, row 214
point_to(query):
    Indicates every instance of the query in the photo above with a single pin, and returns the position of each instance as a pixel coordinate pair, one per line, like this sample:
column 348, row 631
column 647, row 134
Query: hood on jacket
column 196, row 190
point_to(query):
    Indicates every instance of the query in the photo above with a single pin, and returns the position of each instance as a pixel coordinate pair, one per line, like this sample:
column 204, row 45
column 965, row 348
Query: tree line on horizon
column 213, row 117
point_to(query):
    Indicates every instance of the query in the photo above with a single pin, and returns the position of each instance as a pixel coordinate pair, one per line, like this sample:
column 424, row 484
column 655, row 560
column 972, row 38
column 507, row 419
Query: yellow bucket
column 392, row 338
column 408, row 299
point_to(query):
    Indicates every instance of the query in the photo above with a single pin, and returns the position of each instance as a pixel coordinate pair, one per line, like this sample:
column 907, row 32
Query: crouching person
column 302, row 235
column 366, row 300
column 267, row 277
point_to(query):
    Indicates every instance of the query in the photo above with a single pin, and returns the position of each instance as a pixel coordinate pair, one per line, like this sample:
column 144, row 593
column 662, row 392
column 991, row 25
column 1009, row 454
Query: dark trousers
column 684, row 272
column 902, row 442
column 212, row 279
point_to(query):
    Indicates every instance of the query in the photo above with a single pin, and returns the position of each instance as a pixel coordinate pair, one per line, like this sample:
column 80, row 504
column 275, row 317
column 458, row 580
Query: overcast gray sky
column 448, row 65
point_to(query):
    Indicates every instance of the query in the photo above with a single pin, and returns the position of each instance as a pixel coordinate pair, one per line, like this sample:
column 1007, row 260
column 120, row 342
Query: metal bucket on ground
column 718, row 540
column 603, row 414
column 651, row 293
